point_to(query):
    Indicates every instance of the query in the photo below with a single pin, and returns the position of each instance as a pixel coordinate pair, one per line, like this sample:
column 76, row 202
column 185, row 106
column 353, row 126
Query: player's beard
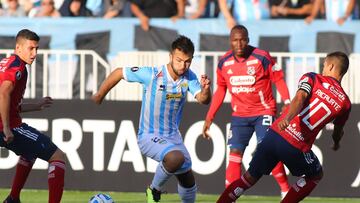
column 175, row 71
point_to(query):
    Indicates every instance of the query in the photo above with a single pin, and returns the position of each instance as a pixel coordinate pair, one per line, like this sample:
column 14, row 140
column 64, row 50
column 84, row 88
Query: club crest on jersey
column 228, row 63
column 134, row 69
column 162, row 88
column 251, row 70
column 252, row 62
column 18, row 75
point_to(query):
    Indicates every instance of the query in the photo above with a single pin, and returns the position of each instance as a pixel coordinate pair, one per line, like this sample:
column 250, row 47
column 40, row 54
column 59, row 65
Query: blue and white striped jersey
column 245, row 10
column 163, row 98
column 336, row 9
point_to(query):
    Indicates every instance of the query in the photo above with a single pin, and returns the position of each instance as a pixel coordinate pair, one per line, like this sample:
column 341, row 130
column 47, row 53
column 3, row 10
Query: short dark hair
column 27, row 34
column 342, row 59
column 183, row 44
column 240, row 28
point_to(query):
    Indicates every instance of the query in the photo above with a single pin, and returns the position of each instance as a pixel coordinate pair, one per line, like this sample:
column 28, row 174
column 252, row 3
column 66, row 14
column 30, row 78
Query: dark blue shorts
column 29, row 143
column 275, row 148
column 242, row 129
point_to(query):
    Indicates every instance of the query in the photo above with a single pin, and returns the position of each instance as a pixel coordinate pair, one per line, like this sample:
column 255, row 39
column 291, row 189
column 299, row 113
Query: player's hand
column 45, row 102
column 341, row 20
column 97, row 98
column 337, row 139
column 283, row 124
column 206, row 128
column 9, row 136
column 205, row 82
column 335, row 146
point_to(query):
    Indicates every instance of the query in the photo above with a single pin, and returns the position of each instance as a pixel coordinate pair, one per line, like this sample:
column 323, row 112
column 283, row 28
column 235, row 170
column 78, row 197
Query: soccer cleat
column 9, row 199
column 153, row 195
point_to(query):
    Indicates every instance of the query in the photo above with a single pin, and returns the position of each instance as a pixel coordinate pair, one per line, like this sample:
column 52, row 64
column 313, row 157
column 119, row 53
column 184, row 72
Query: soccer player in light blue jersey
column 164, row 95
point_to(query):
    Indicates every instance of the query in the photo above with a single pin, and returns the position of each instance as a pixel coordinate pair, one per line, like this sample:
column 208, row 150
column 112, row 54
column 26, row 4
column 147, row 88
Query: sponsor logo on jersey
column 252, row 62
column 251, row 70
column 18, row 75
column 228, row 63
column 229, row 72
column 173, row 96
column 237, row 90
column 242, row 80
column 291, row 129
column 334, row 91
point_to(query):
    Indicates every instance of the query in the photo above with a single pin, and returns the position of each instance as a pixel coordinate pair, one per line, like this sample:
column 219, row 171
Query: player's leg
column 23, row 169
column 42, row 147
column 238, row 139
column 56, row 176
column 261, row 126
column 300, row 163
column 261, row 164
column 187, row 187
column 170, row 159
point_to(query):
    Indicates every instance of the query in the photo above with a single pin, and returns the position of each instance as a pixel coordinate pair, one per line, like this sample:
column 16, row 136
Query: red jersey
column 14, row 69
column 326, row 102
column 249, row 81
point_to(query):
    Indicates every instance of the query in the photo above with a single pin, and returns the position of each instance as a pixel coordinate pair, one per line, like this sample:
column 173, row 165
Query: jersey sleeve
column 306, row 82
column 141, row 75
column 194, row 84
column 11, row 72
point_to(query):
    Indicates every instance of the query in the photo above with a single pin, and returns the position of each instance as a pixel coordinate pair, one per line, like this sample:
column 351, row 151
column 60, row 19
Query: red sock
column 234, row 190
column 233, row 171
column 56, row 175
column 23, row 169
column 300, row 190
column 280, row 176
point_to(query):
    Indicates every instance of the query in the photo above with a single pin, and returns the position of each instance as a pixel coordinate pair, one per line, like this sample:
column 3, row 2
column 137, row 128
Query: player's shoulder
column 227, row 56
column 260, row 53
column 11, row 62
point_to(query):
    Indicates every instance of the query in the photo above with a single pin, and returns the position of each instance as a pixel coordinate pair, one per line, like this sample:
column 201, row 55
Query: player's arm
column 217, row 100
column 294, row 108
column 337, row 134
column 6, row 89
column 204, row 97
column 349, row 9
column 41, row 104
column 114, row 77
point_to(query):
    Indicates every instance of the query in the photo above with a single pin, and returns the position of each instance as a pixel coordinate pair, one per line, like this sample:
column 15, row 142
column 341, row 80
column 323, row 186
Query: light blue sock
column 187, row 195
column 160, row 177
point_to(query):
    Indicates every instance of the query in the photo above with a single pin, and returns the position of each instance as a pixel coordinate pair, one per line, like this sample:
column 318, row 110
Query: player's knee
column 173, row 161
column 58, row 156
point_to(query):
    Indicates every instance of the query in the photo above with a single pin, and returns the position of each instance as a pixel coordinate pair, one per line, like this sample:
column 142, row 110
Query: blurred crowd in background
column 233, row 11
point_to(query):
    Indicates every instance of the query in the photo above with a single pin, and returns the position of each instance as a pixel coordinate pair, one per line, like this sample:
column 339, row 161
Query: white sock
column 187, row 195
column 160, row 177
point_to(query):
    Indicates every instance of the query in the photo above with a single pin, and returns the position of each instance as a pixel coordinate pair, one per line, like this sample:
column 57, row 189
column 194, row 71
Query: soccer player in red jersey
column 320, row 99
column 248, row 73
column 18, row 137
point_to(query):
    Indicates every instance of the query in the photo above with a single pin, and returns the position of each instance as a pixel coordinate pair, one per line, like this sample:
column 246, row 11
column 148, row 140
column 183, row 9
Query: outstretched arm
column 108, row 84
column 294, row 109
column 230, row 21
column 41, row 104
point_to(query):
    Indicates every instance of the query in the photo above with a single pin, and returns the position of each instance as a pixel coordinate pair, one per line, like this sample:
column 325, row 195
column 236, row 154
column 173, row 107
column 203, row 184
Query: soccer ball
column 101, row 198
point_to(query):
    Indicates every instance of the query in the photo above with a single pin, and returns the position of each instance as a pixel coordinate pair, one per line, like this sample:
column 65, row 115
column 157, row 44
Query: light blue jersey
column 245, row 10
column 163, row 99
column 336, row 9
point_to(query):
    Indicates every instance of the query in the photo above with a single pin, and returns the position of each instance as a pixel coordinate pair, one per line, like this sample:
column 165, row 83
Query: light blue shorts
column 156, row 147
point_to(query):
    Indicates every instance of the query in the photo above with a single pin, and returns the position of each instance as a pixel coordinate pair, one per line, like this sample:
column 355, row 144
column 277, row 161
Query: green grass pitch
column 40, row 196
